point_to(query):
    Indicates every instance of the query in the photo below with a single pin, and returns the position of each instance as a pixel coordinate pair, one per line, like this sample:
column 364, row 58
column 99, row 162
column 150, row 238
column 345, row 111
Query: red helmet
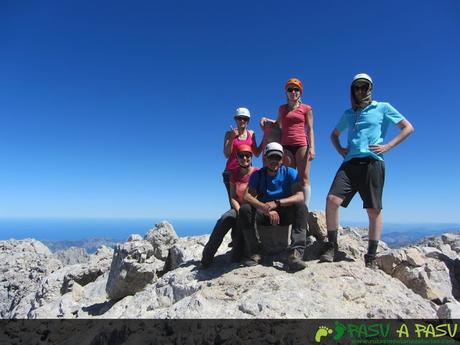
column 244, row 148
column 295, row 82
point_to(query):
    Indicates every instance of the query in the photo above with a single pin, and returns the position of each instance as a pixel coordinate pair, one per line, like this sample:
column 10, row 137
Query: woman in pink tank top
column 234, row 138
column 297, row 137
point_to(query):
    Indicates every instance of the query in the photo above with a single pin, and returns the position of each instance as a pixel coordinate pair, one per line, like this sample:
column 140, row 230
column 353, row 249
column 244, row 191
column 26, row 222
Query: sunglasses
column 361, row 87
column 241, row 118
column 274, row 158
column 244, row 155
column 290, row 89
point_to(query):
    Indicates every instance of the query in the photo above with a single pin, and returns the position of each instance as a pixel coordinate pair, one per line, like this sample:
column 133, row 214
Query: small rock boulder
column 317, row 224
column 425, row 276
column 161, row 237
column 176, row 257
column 134, row 238
column 23, row 265
column 449, row 310
column 274, row 238
column 133, row 267
column 98, row 264
column 72, row 256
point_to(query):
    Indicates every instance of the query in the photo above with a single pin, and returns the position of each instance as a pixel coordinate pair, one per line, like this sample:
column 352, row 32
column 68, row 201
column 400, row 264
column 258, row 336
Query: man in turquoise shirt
column 363, row 169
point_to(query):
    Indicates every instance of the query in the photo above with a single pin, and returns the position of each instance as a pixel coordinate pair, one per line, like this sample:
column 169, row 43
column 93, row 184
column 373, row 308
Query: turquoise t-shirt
column 366, row 127
column 273, row 187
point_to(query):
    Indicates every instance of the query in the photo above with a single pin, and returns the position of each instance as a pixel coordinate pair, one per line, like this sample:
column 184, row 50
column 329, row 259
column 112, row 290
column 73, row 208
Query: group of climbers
column 279, row 193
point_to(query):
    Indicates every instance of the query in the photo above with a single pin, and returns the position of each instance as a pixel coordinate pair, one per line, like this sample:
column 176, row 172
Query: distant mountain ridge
column 401, row 239
column 89, row 244
column 394, row 239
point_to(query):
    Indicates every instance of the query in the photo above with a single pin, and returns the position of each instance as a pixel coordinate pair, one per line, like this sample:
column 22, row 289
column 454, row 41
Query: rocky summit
column 158, row 275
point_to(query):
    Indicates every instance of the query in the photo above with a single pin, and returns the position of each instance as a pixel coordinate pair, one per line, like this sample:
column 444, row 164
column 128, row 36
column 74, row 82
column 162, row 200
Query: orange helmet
column 244, row 148
column 295, row 82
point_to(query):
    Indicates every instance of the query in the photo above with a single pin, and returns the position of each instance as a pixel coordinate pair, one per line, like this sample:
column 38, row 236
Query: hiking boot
column 295, row 261
column 329, row 253
column 206, row 261
column 236, row 255
column 253, row 260
column 370, row 261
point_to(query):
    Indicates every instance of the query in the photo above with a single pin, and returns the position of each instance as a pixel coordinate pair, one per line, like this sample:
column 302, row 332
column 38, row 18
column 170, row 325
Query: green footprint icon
column 322, row 331
column 339, row 330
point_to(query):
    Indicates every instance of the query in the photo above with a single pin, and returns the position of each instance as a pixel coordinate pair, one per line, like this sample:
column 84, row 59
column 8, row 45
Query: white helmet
column 362, row 76
column 243, row 112
column 273, row 149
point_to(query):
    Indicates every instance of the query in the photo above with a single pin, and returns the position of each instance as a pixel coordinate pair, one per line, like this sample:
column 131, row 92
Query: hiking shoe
column 206, row 261
column 329, row 253
column 295, row 261
column 253, row 260
column 236, row 255
column 370, row 261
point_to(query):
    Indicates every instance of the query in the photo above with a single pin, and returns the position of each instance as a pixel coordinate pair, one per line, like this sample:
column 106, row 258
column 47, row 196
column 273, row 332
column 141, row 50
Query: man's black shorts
column 363, row 175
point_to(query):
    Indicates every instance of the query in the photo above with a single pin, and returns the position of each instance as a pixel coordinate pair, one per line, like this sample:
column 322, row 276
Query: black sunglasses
column 290, row 89
column 361, row 87
column 242, row 118
column 274, row 158
column 244, row 154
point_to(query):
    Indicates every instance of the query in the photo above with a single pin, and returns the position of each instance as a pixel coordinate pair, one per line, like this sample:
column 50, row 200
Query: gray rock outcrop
column 131, row 282
column 72, row 255
column 133, row 267
column 23, row 265
column 432, row 269
column 52, row 292
column 317, row 224
column 161, row 237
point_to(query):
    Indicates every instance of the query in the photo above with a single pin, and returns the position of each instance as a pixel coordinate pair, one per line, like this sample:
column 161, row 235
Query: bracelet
column 278, row 203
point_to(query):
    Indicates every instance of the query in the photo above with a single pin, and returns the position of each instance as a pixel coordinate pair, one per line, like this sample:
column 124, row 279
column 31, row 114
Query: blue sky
column 118, row 109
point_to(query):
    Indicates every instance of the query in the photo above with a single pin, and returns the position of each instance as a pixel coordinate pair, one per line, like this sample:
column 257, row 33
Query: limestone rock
column 426, row 276
column 274, row 239
column 414, row 257
column 71, row 278
column 133, row 267
column 448, row 244
column 72, row 255
column 134, row 238
column 176, row 257
column 161, row 237
column 190, row 249
column 449, row 310
column 431, row 252
column 267, row 292
column 317, row 224
column 98, row 264
column 136, row 287
column 23, row 263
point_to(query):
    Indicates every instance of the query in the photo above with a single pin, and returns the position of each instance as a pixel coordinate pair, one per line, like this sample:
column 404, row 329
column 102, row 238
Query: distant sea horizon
column 73, row 229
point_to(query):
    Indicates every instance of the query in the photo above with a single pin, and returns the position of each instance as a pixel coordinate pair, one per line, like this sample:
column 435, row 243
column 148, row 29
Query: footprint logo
column 322, row 331
column 339, row 330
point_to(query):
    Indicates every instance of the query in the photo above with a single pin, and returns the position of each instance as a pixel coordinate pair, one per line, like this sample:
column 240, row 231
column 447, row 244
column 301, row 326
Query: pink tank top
column 232, row 162
column 293, row 125
column 241, row 182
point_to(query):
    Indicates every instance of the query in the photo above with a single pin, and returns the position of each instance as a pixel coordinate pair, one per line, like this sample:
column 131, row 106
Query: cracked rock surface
column 159, row 276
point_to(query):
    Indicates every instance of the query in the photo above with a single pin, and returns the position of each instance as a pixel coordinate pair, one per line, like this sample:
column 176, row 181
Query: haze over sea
column 74, row 229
